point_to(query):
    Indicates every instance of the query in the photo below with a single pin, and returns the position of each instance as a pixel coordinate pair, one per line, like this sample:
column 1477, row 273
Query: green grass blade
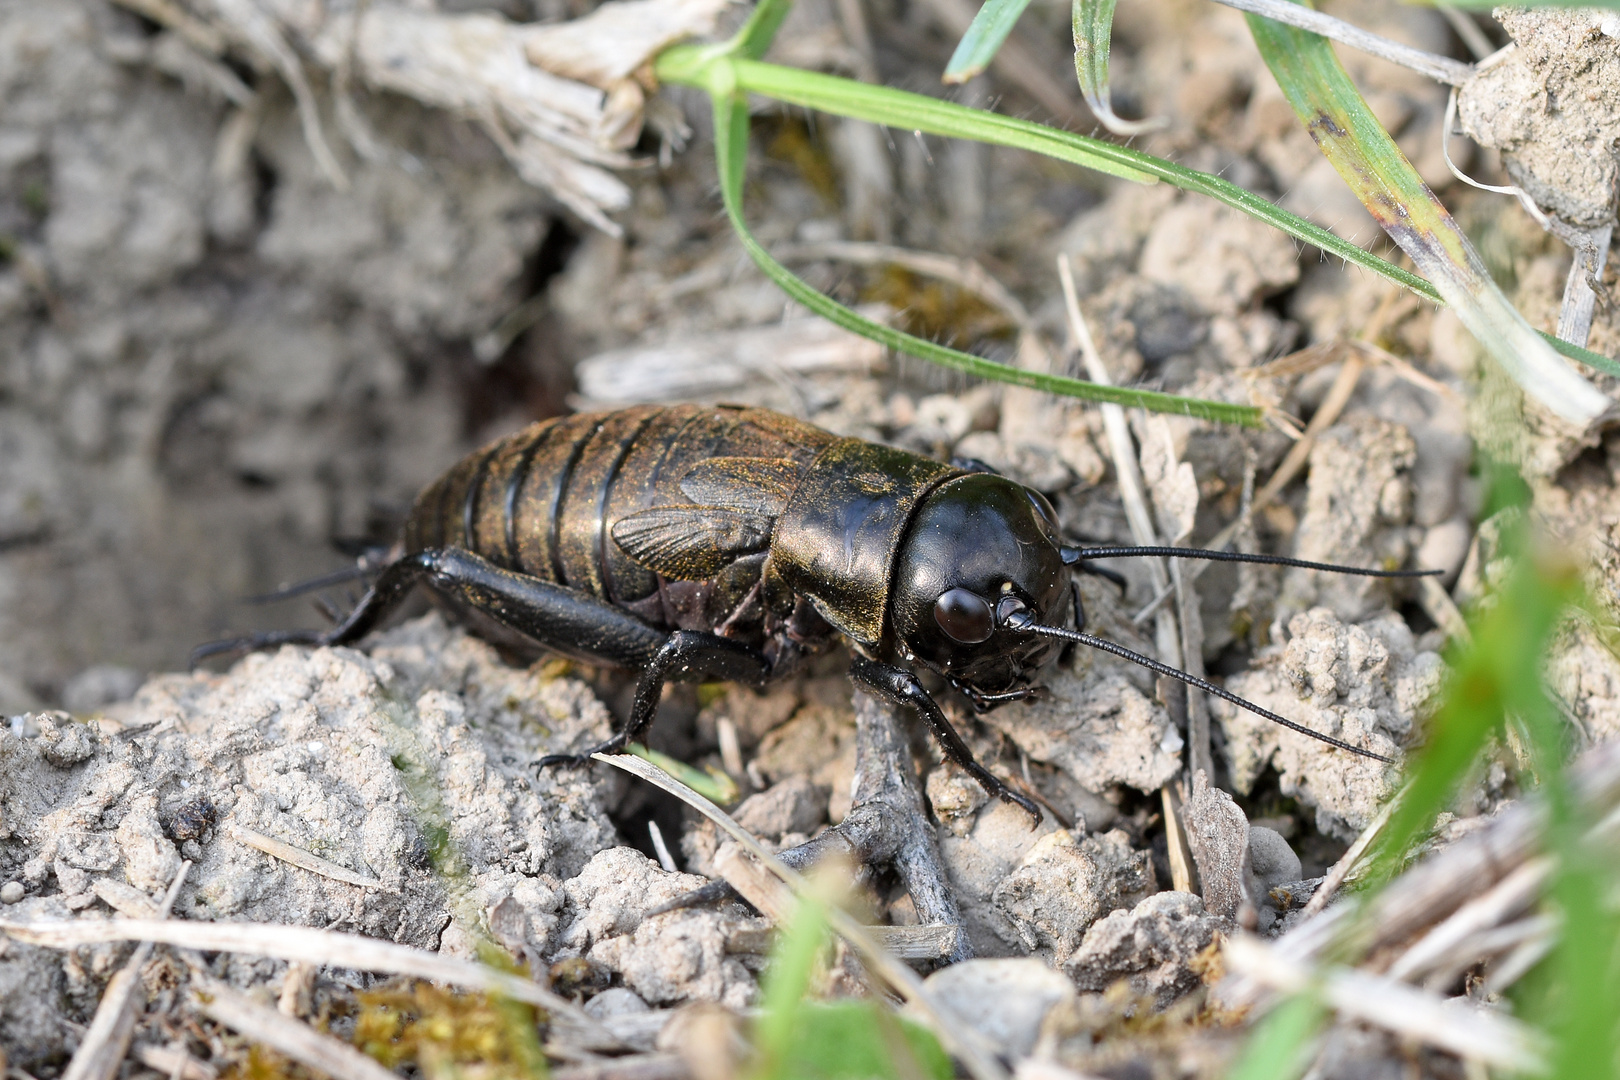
column 717, row 787
column 907, row 111
column 1595, row 361
column 1498, row 675
column 760, row 30
column 1580, row 1002
column 712, row 69
column 689, row 65
column 1093, row 23
column 1362, row 152
column 796, row 1038
column 787, row 983
column 857, row 1040
column 1580, row 999
column 731, row 149
column 1584, row 1023
column 1277, row 1049
column 983, row 39
column 1576, row 997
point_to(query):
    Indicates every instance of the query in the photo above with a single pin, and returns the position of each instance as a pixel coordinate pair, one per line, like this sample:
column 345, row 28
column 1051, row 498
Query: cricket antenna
column 1022, row 621
column 314, row 584
column 1073, row 555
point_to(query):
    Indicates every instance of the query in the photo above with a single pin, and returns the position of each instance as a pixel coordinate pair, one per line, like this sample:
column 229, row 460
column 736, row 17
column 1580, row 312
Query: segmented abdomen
column 542, row 501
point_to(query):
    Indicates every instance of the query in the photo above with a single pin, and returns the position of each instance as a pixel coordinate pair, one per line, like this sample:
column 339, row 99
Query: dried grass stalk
column 1458, row 1027
column 106, row 1041
column 300, row 858
column 321, row 947
column 292, row 1037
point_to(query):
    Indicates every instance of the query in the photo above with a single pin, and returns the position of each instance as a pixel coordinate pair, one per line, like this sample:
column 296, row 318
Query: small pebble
column 11, row 892
column 1007, row 999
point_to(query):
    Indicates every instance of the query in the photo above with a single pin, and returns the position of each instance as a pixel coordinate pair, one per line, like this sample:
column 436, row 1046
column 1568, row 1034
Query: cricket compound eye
column 965, row 616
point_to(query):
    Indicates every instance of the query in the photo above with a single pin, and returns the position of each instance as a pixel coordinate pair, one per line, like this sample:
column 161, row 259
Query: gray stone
column 150, row 860
column 631, row 1020
column 669, row 958
column 977, row 860
column 1005, row 1000
column 1151, row 946
column 616, row 1001
column 612, row 894
column 1358, row 500
column 796, row 805
column 1444, row 547
column 955, row 797
column 1365, row 683
column 356, row 759
column 33, row 991
column 64, row 742
column 1270, row 857
column 1218, row 834
column 682, row 956
column 1550, row 107
column 1222, row 259
column 1064, row 884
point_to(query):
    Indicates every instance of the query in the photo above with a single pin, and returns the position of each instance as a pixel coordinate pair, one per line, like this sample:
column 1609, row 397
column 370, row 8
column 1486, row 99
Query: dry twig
column 1347, row 862
column 1436, row 949
column 958, row 1038
column 1127, row 471
column 885, row 774
column 1491, row 866
column 561, row 101
column 174, row 1062
column 717, row 361
column 635, row 1067
column 292, row 1037
column 1179, row 851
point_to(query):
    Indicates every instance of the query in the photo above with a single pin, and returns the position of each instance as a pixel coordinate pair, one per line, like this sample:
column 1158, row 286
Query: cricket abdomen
column 543, row 501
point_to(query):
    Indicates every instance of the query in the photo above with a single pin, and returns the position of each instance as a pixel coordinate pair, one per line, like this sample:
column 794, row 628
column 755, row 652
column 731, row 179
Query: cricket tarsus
column 267, row 639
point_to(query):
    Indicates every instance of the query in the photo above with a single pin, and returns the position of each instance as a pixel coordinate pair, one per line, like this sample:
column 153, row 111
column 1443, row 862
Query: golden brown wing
column 752, row 484
column 691, row 543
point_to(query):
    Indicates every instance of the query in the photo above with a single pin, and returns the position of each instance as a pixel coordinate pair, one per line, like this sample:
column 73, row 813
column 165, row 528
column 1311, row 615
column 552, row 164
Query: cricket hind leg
column 558, row 617
column 570, row 622
column 555, row 616
column 246, row 643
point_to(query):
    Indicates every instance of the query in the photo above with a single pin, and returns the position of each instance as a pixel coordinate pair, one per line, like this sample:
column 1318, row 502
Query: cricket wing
column 691, row 543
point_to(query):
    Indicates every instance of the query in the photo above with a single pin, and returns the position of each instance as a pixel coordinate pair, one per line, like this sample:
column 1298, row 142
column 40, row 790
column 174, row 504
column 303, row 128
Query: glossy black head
column 978, row 543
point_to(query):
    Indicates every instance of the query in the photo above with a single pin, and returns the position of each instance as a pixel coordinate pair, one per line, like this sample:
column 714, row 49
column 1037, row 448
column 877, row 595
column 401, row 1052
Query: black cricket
column 730, row 543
